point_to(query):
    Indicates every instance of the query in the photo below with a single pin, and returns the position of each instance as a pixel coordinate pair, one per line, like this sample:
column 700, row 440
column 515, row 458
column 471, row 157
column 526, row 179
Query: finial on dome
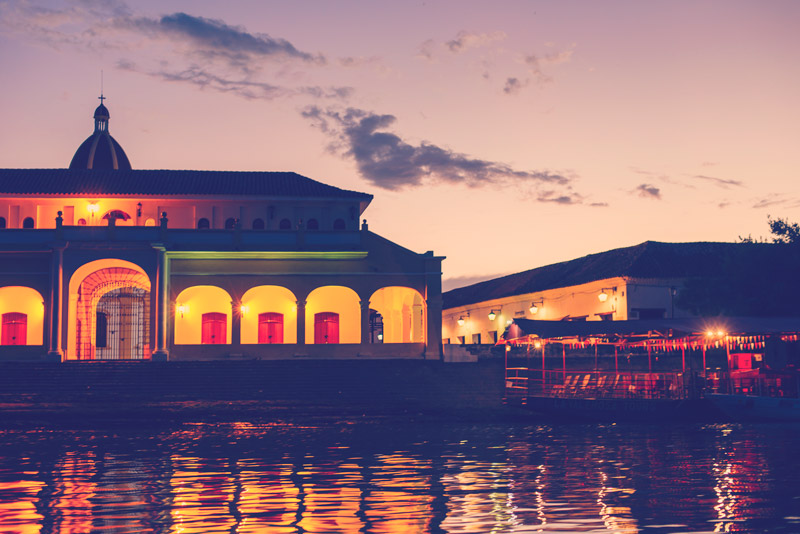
column 101, row 116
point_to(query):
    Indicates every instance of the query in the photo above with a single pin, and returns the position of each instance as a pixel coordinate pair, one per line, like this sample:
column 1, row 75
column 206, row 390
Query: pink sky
column 503, row 136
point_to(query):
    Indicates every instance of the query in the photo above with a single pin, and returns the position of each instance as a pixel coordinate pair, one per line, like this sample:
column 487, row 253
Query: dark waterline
column 384, row 475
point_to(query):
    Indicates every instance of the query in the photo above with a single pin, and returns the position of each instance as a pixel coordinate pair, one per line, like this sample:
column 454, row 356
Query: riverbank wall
column 226, row 388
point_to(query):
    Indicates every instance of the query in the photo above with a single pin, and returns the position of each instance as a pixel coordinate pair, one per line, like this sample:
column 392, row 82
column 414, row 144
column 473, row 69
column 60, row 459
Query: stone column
column 301, row 322
column 365, row 321
column 433, row 306
column 162, row 306
column 236, row 323
column 54, row 350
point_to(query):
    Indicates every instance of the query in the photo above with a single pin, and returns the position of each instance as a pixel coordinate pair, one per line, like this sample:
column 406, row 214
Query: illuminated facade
column 639, row 282
column 99, row 261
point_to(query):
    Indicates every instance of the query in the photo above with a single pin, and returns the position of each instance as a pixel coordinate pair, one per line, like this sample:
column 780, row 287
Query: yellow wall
column 199, row 300
column 18, row 299
column 337, row 299
column 263, row 299
column 403, row 312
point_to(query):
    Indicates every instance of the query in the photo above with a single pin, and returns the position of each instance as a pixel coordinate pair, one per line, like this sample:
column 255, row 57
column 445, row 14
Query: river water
column 398, row 476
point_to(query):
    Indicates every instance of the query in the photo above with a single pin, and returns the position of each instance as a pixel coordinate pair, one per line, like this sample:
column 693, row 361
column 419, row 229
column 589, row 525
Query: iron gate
column 119, row 328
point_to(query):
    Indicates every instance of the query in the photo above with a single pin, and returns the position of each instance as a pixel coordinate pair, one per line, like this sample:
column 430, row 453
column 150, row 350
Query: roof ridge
column 61, row 181
column 649, row 258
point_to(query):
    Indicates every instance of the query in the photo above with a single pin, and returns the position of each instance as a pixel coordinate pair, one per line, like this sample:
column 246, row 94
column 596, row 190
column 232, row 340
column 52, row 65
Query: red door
column 214, row 329
column 270, row 327
column 326, row 328
column 15, row 329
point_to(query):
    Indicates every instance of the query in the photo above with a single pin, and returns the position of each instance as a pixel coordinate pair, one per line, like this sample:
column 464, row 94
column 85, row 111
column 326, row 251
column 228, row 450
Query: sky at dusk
column 503, row 135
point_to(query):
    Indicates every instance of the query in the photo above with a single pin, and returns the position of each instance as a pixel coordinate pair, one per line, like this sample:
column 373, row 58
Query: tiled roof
column 650, row 259
column 166, row 183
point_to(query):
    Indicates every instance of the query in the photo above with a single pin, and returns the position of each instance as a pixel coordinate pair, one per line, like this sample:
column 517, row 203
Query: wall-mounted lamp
column 461, row 321
column 603, row 296
column 535, row 305
column 182, row 308
column 139, row 209
column 493, row 315
column 244, row 309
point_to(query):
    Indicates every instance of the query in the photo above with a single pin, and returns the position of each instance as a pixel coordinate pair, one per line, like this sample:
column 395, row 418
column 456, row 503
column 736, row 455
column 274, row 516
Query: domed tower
column 100, row 151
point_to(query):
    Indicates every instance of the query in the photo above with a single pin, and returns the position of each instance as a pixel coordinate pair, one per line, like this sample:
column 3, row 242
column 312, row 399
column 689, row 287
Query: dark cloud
column 514, row 85
column 776, row 199
column 648, row 191
column 215, row 37
column 559, row 198
column 463, row 41
column 251, row 90
column 538, row 63
column 725, row 184
column 466, row 40
column 387, row 161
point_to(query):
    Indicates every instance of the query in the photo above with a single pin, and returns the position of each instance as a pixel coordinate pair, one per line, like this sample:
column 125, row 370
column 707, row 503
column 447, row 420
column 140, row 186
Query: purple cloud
column 648, row 191
column 389, row 162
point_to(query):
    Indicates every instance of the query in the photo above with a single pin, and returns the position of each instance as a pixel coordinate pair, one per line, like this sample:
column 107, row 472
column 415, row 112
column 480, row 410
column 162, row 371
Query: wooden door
column 270, row 327
column 215, row 328
column 15, row 329
column 326, row 328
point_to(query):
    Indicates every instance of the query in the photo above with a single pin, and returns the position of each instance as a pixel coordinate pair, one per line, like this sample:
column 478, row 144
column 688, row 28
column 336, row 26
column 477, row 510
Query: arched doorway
column 22, row 315
column 333, row 309
column 402, row 315
column 109, row 312
column 203, row 316
column 269, row 315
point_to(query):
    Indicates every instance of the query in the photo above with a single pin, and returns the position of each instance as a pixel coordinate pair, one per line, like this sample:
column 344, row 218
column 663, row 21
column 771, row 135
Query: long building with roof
column 638, row 282
column 103, row 261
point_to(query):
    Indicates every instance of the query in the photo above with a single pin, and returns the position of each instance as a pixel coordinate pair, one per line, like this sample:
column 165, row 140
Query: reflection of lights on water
column 616, row 518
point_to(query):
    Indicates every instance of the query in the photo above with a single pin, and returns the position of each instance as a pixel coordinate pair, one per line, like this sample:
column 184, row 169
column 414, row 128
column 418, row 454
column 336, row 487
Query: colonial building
column 639, row 282
column 100, row 261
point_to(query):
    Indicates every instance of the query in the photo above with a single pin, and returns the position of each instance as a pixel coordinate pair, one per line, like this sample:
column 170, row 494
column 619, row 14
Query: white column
column 54, row 351
column 162, row 306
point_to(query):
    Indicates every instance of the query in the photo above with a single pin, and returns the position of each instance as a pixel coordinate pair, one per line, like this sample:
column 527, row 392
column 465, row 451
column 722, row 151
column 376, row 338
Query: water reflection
column 400, row 478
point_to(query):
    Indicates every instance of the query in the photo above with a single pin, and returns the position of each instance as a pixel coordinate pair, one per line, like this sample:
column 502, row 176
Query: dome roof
column 102, row 112
column 100, row 151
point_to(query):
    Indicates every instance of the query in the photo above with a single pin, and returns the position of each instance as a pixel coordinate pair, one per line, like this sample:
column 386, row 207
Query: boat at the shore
column 653, row 370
